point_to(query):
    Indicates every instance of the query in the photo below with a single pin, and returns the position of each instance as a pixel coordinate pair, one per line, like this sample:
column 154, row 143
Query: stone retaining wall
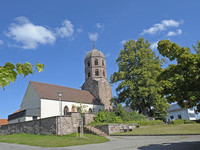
column 47, row 126
column 116, row 127
column 89, row 117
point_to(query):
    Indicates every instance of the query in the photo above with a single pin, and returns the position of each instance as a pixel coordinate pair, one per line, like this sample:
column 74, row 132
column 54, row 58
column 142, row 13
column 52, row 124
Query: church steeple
column 96, row 77
column 95, row 64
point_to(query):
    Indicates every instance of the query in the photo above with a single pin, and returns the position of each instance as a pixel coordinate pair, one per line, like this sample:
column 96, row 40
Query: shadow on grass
column 173, row 146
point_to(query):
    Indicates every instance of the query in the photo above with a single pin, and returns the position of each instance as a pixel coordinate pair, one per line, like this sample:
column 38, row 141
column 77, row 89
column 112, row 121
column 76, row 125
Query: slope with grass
column 164, row 130
column 52, row 140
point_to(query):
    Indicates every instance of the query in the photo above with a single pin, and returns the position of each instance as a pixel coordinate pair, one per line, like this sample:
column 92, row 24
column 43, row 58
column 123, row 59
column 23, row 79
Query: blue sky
column 60, row 33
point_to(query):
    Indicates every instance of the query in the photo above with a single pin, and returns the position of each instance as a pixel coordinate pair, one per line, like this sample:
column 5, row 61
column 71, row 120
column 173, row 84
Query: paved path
column 191, row 142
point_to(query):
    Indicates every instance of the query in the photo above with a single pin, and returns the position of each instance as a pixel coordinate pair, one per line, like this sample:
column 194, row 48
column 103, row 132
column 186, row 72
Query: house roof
column 3, row 122
column 174, row 107
column 16, row 111
column 49, row 91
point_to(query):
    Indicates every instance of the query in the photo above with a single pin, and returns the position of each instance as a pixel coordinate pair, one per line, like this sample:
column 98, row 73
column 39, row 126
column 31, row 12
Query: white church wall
column 31, row 101
column 50, row 108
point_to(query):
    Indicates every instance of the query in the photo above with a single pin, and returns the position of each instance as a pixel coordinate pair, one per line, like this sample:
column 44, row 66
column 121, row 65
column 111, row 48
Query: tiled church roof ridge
column 49, row 91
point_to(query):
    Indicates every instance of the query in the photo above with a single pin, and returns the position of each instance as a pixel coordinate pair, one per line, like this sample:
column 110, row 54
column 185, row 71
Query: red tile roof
column 3, row 122
column 49, row 91
column 16, row 111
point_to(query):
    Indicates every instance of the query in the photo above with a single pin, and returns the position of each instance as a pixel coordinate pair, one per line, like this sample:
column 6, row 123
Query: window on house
column 96, row 62
column 66, row 110
column 34, row 117
column 90, row 110
column 96, row 72
column 171, row 117
column 102, row 62
column 179, row 116
column 88, row 63
column 88, row 74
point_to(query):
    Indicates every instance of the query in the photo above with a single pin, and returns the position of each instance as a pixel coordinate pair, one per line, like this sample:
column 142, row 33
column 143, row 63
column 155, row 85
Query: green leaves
column 136, row 78
column 9, row 71
column 40, row 67
column 181, row 81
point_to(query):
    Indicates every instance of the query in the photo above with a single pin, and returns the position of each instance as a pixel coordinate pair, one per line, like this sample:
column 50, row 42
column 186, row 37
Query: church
column 41, row 100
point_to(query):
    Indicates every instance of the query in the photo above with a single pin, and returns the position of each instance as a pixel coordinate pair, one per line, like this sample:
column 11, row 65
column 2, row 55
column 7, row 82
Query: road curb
column 158, row 135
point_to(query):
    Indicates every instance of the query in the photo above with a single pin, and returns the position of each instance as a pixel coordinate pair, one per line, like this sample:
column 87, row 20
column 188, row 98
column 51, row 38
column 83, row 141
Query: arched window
column 102, row 62
column 96, row 72
column 88, row 63
column 104, row 74
column 90, row 110
column 96, row 62
column 88, row 74
column 66, row 110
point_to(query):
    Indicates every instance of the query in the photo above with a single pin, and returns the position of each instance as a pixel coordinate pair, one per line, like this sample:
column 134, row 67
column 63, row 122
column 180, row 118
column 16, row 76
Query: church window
column 88, row 74
column 88, row 63
column 96, row 62
column 90, row 110
column 104, row 74
column 102, row 62
column 96, row 72
column 66, row 110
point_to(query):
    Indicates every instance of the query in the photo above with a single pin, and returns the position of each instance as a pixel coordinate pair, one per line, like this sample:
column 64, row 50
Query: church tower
column 96, row 77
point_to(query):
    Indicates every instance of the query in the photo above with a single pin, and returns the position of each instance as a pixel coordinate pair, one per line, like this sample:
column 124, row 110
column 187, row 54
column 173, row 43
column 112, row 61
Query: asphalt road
column 191, row 142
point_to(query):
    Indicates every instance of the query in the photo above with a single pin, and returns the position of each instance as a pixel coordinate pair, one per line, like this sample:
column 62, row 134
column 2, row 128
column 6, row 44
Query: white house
column 41, row 100
column 176, row 112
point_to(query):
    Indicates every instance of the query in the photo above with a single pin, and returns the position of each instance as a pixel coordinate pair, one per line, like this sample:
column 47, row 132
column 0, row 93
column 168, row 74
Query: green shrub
column 133, row 116
column 182, row 121
column 189, row 122
column 128, row 116
column 106, row 116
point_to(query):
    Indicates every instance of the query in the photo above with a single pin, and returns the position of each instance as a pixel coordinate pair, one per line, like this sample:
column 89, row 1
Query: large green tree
column 9, row 71
column 138, row 68
column 181, row 81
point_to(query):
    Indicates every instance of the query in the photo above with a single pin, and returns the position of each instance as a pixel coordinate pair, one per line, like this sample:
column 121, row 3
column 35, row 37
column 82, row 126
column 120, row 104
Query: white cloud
column 123, row 42
column 154, row 45
column 172, row 33
column 93, row 36
column 1, row 42
column 107, row 54
column 79, row 30
column 66, row 30
column 161, row 26
column 29, row 35
column 99, row 25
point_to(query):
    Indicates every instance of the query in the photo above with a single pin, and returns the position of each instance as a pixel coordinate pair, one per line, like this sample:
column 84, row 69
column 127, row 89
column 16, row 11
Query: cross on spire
column 93, row 44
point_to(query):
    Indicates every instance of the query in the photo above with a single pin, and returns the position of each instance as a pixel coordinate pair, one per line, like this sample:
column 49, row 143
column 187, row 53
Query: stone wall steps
column 94, row 130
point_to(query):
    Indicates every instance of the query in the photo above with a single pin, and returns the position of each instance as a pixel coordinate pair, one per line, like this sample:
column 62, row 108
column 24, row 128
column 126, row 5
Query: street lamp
column 60, row 104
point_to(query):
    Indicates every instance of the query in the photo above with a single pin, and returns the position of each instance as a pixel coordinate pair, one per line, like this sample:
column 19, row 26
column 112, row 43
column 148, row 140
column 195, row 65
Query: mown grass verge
column 164, row 130
column 52, row 140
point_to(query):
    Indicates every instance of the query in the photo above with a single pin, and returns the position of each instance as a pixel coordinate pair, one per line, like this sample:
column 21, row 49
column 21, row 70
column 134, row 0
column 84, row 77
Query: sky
column 60, row 33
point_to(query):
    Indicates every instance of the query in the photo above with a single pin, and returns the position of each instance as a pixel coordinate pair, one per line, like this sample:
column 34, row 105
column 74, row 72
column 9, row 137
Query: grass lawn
column 52, row 140
column 164, row 129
